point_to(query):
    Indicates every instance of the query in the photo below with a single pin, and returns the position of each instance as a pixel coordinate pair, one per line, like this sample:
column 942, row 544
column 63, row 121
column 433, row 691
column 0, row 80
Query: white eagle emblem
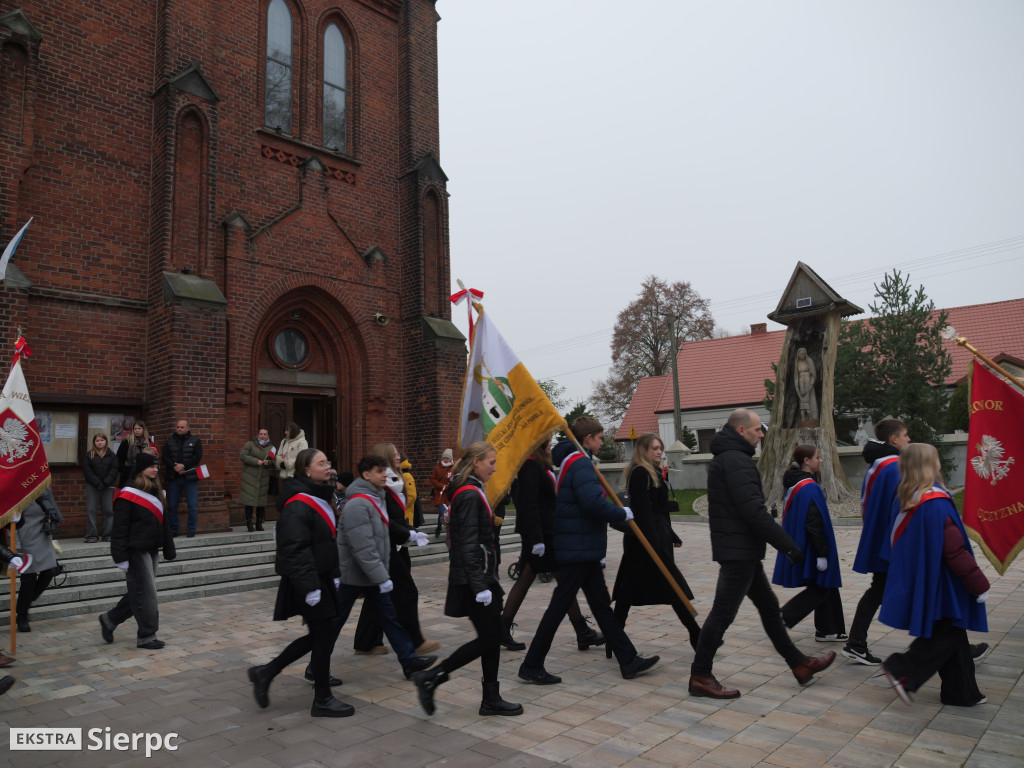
column 14, row 442
column 989, row 463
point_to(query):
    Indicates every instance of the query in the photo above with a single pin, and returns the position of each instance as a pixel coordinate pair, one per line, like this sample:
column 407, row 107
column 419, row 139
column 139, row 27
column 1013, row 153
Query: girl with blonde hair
column 935, row 589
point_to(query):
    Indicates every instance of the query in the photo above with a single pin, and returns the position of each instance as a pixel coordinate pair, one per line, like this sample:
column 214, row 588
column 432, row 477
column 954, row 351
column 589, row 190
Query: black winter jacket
column 534, row 495
column 307, row 553
column 740, row 524
column 474, row 560
column 815, row 527
column 182, row 449
column 137, row 529
column 100, row 471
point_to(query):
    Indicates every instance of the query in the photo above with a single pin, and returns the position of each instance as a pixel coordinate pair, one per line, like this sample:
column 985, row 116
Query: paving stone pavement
column 197, row 687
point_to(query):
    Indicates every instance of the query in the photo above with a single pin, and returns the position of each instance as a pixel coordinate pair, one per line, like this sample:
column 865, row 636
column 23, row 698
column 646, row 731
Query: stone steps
column 206, row 565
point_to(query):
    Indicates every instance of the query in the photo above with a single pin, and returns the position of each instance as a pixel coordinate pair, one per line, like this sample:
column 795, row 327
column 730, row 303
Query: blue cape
column 877, row 504
column 794, row 522
column 920, row 589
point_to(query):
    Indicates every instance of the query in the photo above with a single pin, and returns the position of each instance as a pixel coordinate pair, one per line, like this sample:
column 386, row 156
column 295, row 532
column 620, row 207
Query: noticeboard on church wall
column 67, row 435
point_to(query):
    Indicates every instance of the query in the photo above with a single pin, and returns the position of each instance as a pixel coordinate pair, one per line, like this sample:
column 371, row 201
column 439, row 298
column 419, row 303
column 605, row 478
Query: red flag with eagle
column 994, row 476
column 24, row 470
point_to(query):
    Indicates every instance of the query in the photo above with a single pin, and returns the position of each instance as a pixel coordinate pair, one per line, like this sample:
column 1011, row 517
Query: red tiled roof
column 720, row 373
column 641, row 414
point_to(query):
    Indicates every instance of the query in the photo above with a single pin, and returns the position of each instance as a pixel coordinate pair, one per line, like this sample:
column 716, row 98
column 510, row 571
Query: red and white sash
column 791, row 494
column 382, row 512
column 143, row 499
column 571, row 459
column 480, row 492
column 319, row 505
column 872, row 475
column 903, row 519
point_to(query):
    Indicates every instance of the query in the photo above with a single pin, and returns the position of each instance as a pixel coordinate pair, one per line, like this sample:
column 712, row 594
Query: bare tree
column 642, row 344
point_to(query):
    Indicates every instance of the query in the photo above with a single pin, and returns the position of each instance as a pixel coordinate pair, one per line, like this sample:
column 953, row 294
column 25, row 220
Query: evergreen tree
column 894, row 364
column 689, row 439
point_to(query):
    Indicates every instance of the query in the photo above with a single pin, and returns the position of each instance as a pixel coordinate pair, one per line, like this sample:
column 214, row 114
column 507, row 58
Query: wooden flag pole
column 637, row 532
column 962, row 341
column 13, row 575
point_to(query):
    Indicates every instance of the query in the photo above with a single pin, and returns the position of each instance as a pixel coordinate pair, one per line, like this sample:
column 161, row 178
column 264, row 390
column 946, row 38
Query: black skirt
column 460, row 601
column 640, row 581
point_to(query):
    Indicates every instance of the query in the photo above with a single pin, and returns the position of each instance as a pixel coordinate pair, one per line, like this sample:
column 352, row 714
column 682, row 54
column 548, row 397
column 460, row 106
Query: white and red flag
column 994, row 476
column 202, row 472
column 469, row 296
column 24, row 470
column 11, row 248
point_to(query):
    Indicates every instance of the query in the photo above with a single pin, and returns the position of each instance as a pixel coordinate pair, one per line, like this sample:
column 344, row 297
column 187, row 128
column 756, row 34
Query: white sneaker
column 838, row 637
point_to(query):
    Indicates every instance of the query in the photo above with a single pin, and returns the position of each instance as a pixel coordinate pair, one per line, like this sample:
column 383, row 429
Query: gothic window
column 335, row 135
column 278, row 91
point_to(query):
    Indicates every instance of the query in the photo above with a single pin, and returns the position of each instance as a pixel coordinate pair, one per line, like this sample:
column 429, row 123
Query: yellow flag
column 503, row 404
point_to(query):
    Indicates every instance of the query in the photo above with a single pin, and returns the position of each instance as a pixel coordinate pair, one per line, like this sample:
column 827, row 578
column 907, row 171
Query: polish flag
column 202, row 472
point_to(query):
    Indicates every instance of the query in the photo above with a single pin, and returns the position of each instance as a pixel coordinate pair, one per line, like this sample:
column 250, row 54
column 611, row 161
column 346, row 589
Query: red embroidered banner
column 24, row 470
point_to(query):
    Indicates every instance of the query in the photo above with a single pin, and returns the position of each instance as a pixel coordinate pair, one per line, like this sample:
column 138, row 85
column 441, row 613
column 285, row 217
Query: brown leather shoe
column 5, row 660
column 804, row 671
column 708, row 686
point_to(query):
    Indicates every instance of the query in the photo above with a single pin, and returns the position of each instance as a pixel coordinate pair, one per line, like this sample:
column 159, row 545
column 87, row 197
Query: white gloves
column 386, row 587
column 538, row 550
column 629, row 513
column 419, row 539
column 123, row 566
column 16, row 563
column 484, row 597
column 822, row 563
column 983, row 597
column 312, row 598
column 604, row 562
column 337, row 583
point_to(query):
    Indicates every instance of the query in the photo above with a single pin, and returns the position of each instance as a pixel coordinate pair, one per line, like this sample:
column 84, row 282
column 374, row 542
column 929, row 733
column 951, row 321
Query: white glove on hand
column 538, row 550
column 312, row 598
column 337, row 583
column 123, row 565
column 484, row 597
column 983, row 597
column 386, row 587
column 16, row 563
column 604, row 562
column 419, row 539
column 629, row 513
column 822, row 563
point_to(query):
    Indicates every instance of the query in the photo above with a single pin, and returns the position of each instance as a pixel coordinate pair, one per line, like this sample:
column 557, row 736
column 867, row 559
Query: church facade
column 239, row 217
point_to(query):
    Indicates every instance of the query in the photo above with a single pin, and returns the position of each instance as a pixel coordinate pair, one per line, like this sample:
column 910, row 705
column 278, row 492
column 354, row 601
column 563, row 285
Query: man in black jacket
column 740, row 527
column 182, row 454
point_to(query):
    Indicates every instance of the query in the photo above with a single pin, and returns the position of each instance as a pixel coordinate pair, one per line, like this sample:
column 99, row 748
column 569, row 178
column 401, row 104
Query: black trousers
column 826, row 604
column 32, row 586
column 405, row 597
column 320, row 642
column 516, row 595
column 486, row 646
column 622, row 607
column 948, row 652
column 738, row 579
column 571, row 579
column 866, row 610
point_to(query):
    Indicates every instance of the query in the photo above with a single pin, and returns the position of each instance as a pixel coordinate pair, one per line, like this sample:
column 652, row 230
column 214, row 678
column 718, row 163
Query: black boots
column 248, row 525
column 259, row 524
column 509, row 642
column 328, row 706
column 586, row 636
column 493, row 704
column 261, row 678
column 426, row 682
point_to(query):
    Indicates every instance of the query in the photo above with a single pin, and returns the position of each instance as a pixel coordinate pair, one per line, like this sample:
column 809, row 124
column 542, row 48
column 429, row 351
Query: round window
column 291, row 347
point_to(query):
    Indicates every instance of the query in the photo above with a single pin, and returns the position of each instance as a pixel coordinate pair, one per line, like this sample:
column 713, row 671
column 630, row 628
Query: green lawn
column 686, row 499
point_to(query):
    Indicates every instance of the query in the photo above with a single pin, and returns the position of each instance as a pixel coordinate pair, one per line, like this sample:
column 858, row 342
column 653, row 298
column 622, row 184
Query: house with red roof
column 717, row 376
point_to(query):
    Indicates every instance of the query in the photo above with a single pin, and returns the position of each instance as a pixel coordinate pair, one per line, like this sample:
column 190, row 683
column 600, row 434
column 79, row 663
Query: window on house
column 334, row 127
column 278, row 92
column 704, row 438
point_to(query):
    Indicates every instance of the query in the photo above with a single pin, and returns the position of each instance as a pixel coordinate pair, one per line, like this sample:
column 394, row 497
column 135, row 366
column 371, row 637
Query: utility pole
column 677, row 416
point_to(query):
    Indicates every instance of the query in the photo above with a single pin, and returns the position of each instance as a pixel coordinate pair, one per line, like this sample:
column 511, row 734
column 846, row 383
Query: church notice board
column 67, row 435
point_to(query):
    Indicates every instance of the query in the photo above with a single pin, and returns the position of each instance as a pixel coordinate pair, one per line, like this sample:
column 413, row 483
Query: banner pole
column 637, row 532
column 962, row 341
column 13, row 574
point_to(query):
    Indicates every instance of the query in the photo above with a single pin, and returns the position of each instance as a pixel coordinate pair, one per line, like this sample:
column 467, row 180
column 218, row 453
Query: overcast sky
column 591, row 143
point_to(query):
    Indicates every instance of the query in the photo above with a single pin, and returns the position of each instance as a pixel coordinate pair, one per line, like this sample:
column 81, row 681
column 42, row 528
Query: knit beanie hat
column 142, row 461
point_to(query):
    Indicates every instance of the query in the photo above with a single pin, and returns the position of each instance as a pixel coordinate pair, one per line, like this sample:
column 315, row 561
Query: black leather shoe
column 331, row 707
column 261, row 680
column 426, row 682
column 333, row 681
column 507, row 641
column 190, row 534
column 538, row 676
column 23, row 625
column 638, row 666
column 153, row 645
column 5, row 684
column 108, row 634
column 418, row 665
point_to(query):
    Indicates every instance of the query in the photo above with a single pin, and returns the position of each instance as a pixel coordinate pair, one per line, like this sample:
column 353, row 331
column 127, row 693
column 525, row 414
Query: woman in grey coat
column 34, row 537
column 258, row 464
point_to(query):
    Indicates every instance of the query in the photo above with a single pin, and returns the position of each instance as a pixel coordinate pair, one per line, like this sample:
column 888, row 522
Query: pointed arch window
column 335, row 129
column 280, row 70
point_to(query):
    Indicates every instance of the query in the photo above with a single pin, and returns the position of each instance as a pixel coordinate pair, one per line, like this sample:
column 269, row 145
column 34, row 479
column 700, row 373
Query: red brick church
column 239, row 217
